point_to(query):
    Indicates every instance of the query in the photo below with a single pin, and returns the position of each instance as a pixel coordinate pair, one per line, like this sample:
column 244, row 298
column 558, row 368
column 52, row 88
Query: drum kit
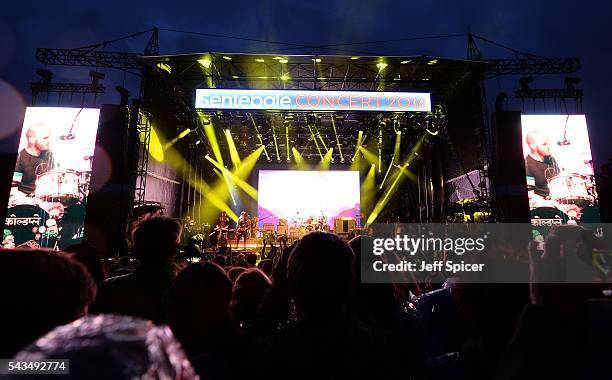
column 37, row 215
column 300, row 226
column 570, row 194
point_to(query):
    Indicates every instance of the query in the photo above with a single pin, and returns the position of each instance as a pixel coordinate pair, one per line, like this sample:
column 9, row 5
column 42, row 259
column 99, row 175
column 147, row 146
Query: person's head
column 113, row 347
column 223, row 214
column 156, row 240
column 321, row 272
column 90, row 257
column 251, row 259
column 40, row 289
column 199, row 301
column 538, row 143
column 38, row 136
column 8, row 239
column 234, row 272
column 249, row 289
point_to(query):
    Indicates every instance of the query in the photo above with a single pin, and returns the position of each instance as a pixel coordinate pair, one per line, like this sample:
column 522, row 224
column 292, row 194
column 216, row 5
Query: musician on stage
column 254, row 226
column 242, row 228
column 35, row 159
column 221, row 229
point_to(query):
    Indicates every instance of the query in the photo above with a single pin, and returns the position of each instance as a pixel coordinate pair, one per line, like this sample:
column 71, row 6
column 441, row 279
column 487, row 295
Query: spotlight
column 96, row 77
column 524, row 83
column 205, row 62
column 381, row 66
column 570, row 82
column 45, row 75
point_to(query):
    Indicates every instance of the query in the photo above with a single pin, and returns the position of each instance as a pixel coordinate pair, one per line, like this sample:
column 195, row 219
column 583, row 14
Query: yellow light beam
column 314, row 138
column 396, row 154
column 369, row 156
column 232, row 148
column 236, row 179
column 333, row 120
column 287, row 143
column 326, row 161
column 379, row 150
column 401, row 173
column 275, row 143
column 299, row 164
column 368, row 188
column 209, row 130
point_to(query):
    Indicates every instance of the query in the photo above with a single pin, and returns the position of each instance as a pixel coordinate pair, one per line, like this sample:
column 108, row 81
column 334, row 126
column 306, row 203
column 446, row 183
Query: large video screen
column 50, row 184
column 559, row 168
column 307, row 199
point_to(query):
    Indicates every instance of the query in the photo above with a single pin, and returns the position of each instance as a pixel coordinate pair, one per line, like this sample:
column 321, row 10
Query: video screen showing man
column 539, row 163
column 50, row 185
column 35, row 159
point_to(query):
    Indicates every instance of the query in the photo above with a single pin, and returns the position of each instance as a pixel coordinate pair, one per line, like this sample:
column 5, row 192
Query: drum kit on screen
column 300, row 226
column 572, row 196
column 36, row 218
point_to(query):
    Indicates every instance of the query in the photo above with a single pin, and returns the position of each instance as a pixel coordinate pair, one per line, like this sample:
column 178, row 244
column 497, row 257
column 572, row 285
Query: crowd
column 296, row 311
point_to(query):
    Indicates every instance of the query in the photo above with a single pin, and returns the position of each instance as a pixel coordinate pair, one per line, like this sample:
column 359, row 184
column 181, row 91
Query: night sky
column 547, row 28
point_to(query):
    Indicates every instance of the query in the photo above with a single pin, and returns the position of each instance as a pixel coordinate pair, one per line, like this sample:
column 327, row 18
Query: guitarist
column 242, row 228
column 221, row 230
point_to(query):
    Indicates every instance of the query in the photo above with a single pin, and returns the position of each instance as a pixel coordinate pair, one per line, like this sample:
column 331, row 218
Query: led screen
column 51, row 179
column 307, row 197
column 559, row 168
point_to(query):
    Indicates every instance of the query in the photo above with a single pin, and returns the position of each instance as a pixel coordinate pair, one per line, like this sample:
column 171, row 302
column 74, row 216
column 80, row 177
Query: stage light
column 405, row 62
column 317, row 60
column 337, row 139
column 380, row 147
column 355, row 158
column 45, row 76
column 283, row 61
column 381, row 66
column 326, row 160
column 166, row 67
column 432, row 62
column 314, row 138
column 261, row 60
column 278, row 58
column 354, row 58
column 275, row 143
column 227, row 58
column 285, row 77
column 177, row 138
column 198, row 142
column 209, row 131
column 232, row 149
column 205, row 62
column 235, row 76
column 264, row 77
column 287, row 142
column 368, row 189
column 398, row 176
column 394, row 158
column 300, row 164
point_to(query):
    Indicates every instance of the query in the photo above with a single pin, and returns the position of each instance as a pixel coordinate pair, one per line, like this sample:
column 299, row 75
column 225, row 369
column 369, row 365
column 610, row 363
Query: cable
column 95, row 46
column 325, row 47
column 515, row 51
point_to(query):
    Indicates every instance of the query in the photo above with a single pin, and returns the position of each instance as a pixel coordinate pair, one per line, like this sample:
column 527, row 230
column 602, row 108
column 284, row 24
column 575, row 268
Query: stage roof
column 316, row 72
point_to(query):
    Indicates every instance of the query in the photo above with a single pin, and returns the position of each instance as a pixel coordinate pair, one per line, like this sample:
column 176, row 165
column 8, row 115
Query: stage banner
column 559, row 168
column 300, row 100
column 50, row 184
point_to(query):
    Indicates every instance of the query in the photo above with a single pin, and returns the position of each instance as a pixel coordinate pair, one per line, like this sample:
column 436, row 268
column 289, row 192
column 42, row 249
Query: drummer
column 35, row 159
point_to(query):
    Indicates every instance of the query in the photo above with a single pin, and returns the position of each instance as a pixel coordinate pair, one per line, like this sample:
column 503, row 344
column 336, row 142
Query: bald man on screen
column 35, row 159
column 539, row 163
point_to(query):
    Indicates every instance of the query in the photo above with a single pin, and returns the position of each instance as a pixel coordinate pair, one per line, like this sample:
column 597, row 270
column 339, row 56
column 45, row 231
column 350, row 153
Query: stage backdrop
column 559, row 169
column 297, row 195
column 51, row 179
